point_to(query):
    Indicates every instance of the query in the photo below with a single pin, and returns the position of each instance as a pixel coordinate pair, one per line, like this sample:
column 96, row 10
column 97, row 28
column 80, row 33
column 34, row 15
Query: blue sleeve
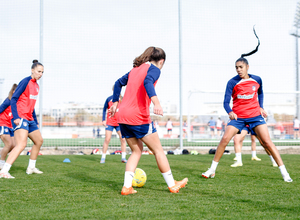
column 260, row 94
column 118, row 86
column 152, row 76
column 34, row 117
column 227, row 97
column 104, row 109
column 15, row 97
column 4, row 105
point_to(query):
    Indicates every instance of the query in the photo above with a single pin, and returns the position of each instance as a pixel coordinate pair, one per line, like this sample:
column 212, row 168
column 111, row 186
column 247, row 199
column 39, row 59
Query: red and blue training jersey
column 140, row 82
column 5, row 114
column 112, row 121
column 24, row 99
column 247, row 95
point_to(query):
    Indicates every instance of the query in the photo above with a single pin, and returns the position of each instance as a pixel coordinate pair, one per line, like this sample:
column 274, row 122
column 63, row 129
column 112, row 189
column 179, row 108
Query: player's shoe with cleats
column 127, row 191
column 256, row 158
column 237, row 164
column 33, row 170
column 178, row 185
column 6, row 176
column 287, row 178
column 275, row 164
column 209, row 174
column 102, row 160
column 124, row 160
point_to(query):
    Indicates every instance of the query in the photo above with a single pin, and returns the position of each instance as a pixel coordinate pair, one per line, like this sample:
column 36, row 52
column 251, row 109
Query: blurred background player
column 134, row 116
column 296, row 125
column 6, row 131
column 24, row 121
column 247, row 93
column 219, row 127
column 110, row 124
column 212, row 125
column 169, row 126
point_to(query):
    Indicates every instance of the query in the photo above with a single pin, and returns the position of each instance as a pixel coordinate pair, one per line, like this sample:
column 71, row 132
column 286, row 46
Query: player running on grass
column 134, row 116
column 247, row 93
column 6, row 131
column 110, row 124
column 24, row 120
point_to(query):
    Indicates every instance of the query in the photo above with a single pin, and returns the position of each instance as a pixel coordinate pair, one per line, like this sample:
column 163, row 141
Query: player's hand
column 232, row 116
column 104, row 123
column 112, row 110
column 17, row 121
column 158, row 110
column 263, row 113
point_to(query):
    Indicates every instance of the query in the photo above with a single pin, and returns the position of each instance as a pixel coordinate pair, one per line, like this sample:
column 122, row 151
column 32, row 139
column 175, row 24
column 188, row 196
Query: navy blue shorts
column 30, row 126
column 6, row 130
column 240, row 123
column 249, row 131
column 137, row 131
column 111, row 128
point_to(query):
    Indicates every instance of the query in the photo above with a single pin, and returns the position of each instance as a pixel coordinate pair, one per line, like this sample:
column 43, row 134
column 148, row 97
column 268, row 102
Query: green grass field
column 86, row 189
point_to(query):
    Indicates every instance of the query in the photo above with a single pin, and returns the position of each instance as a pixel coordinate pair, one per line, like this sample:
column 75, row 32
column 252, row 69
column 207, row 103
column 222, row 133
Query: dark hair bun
column 35, row 61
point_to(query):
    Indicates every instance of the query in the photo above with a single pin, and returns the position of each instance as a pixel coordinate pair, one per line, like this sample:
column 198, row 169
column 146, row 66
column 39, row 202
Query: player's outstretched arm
column 157, row 107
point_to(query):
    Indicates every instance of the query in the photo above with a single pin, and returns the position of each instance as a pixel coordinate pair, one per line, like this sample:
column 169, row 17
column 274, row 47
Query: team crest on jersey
column 25, row 124
column 6, row 130
column 253, row 88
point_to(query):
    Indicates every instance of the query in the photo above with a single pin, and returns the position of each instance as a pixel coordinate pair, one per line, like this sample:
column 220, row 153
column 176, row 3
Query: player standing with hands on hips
column 134, row 116
column 24, row 121
column 247, row 93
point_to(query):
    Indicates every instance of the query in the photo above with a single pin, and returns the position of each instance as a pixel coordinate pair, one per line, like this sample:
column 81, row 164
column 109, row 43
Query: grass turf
column 86, row 189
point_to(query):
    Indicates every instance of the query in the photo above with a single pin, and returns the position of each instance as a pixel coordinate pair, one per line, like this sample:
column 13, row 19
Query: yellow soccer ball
column 139, row 178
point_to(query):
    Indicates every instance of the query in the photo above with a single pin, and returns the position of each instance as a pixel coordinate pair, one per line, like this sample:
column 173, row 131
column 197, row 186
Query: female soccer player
column 134, row 116
column 24, row 120
column 110, row 124
column 247, row 93
column 6, row 131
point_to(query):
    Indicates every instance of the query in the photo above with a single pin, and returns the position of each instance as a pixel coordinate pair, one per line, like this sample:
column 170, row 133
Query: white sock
column 2, row 161
column 214, row 165
column 128, row 179
column 253, row 153
column 168, row 176
column 6, row 168
column 103, row 156
column 31, row 163
column 238, row 157
column 272, row 159
column 283, row 170
column 123, row 155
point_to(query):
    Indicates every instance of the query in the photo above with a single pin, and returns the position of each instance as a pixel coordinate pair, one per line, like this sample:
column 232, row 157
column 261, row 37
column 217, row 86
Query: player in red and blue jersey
column 24, row 120
column 110, row 124
column 247, row 93
column 6, row 131
column 134, row 116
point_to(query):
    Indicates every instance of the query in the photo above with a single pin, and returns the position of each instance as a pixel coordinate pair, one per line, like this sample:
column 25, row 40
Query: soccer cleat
column 33, row 170
column 235, row 158
column 127, row 191
column 209, row 174
column 256, row 158
column 178, row 185
column 287, row 178
column 124, row 160
column 275, row 164
column 102, row 160
column 6, row 176
column 237, row 164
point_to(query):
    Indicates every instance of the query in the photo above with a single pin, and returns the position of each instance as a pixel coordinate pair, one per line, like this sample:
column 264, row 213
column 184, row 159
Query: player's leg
column 153, row 143
column 268, row 152
column 37, row 140
column 238, row 143
column 263, row 133
column 253, row 149
column 229, row 133
column 8, row 144
column 108, row 134
column 21, row 136
column 123, row 147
